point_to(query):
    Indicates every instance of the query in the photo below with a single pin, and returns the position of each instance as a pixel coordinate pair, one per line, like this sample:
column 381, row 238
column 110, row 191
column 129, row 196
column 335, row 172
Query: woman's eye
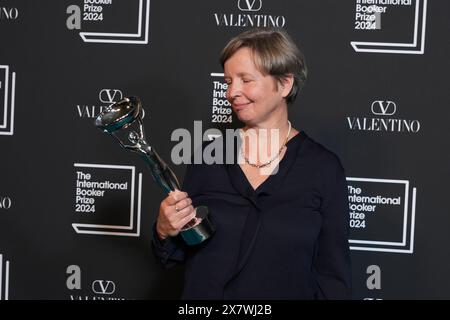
column 246, row 80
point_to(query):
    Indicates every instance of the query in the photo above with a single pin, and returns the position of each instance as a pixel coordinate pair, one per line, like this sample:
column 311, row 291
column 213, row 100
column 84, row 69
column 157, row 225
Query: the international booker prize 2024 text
column 88, row 191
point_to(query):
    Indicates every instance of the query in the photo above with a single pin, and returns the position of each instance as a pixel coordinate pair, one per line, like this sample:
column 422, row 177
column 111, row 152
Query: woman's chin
column 246, row 120
column 245, row 117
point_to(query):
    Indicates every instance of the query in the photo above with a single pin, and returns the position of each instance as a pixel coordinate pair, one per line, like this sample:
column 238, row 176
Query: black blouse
column 286, row 239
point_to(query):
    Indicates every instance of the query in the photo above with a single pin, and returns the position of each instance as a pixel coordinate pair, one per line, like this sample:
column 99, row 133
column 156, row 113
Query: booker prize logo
column 250, row 15
column 106, row 201
column 97, row 289
column 106, row 97
column 107, row 21
column 7, row 100
column 382, row 214
column 383, row 120
column 4, row 278
column 221, row 111
column 400, row 26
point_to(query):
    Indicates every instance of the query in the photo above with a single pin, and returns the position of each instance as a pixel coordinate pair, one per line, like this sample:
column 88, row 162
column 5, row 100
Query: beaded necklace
column 276, row 156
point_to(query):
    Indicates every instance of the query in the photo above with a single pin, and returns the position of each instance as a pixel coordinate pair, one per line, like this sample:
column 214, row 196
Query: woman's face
column 255, row 98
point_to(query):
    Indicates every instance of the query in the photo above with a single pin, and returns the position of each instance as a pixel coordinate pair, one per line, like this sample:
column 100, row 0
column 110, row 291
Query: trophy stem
column 119, row 118
column 161, row 172
column 199, row 228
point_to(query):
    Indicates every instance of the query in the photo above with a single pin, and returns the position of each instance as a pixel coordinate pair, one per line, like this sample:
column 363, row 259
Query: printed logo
column 110, row 95
column 101, row 289
column 380, row 215
column 7, row 98
column 8, row 13
column 5, row 203
column 104, row 20
column 384, row 109
column 4, row 278
column 396, row 22
column 221, row 107
column 250, row 5
column 105, row 200
column 106, row 97
column 250, row 16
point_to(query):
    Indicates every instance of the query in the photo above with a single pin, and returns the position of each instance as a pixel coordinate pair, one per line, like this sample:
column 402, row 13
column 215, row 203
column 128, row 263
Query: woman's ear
column 286, row 85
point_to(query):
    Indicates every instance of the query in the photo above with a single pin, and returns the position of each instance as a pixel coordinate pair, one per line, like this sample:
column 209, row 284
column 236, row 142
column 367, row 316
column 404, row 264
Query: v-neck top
column 286, row 239
column 283, row 166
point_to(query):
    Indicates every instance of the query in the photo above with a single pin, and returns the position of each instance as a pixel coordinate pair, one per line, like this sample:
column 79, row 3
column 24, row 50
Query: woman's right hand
column 175, row 212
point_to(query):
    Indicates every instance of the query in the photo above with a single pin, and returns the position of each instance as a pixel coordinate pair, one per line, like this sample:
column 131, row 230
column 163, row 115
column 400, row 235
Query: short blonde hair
column 274, row 54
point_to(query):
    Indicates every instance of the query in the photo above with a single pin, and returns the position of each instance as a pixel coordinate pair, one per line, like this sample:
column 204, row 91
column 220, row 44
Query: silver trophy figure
column 118, row 120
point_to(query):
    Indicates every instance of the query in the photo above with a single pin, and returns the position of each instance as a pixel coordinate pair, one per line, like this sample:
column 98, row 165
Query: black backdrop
column 377, row 95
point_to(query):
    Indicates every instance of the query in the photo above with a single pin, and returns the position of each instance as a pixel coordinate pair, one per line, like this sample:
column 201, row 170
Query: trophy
column 119, row 120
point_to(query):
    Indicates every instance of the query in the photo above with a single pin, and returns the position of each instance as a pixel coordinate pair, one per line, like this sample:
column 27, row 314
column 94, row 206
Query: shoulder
column 319, row 155
column 328, row 171
column 206, row 164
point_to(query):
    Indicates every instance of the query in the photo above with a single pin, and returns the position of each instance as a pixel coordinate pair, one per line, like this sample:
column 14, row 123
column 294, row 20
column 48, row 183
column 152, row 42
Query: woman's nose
column 233, row 91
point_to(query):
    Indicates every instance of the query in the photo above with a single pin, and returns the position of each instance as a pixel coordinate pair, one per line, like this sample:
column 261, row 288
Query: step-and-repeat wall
column 76, row 210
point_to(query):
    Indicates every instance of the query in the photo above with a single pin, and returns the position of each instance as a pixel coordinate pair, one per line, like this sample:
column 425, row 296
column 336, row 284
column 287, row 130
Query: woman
column 281, row 221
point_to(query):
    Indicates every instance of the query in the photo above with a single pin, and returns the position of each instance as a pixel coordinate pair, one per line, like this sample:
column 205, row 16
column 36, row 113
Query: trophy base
column 201, row 230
